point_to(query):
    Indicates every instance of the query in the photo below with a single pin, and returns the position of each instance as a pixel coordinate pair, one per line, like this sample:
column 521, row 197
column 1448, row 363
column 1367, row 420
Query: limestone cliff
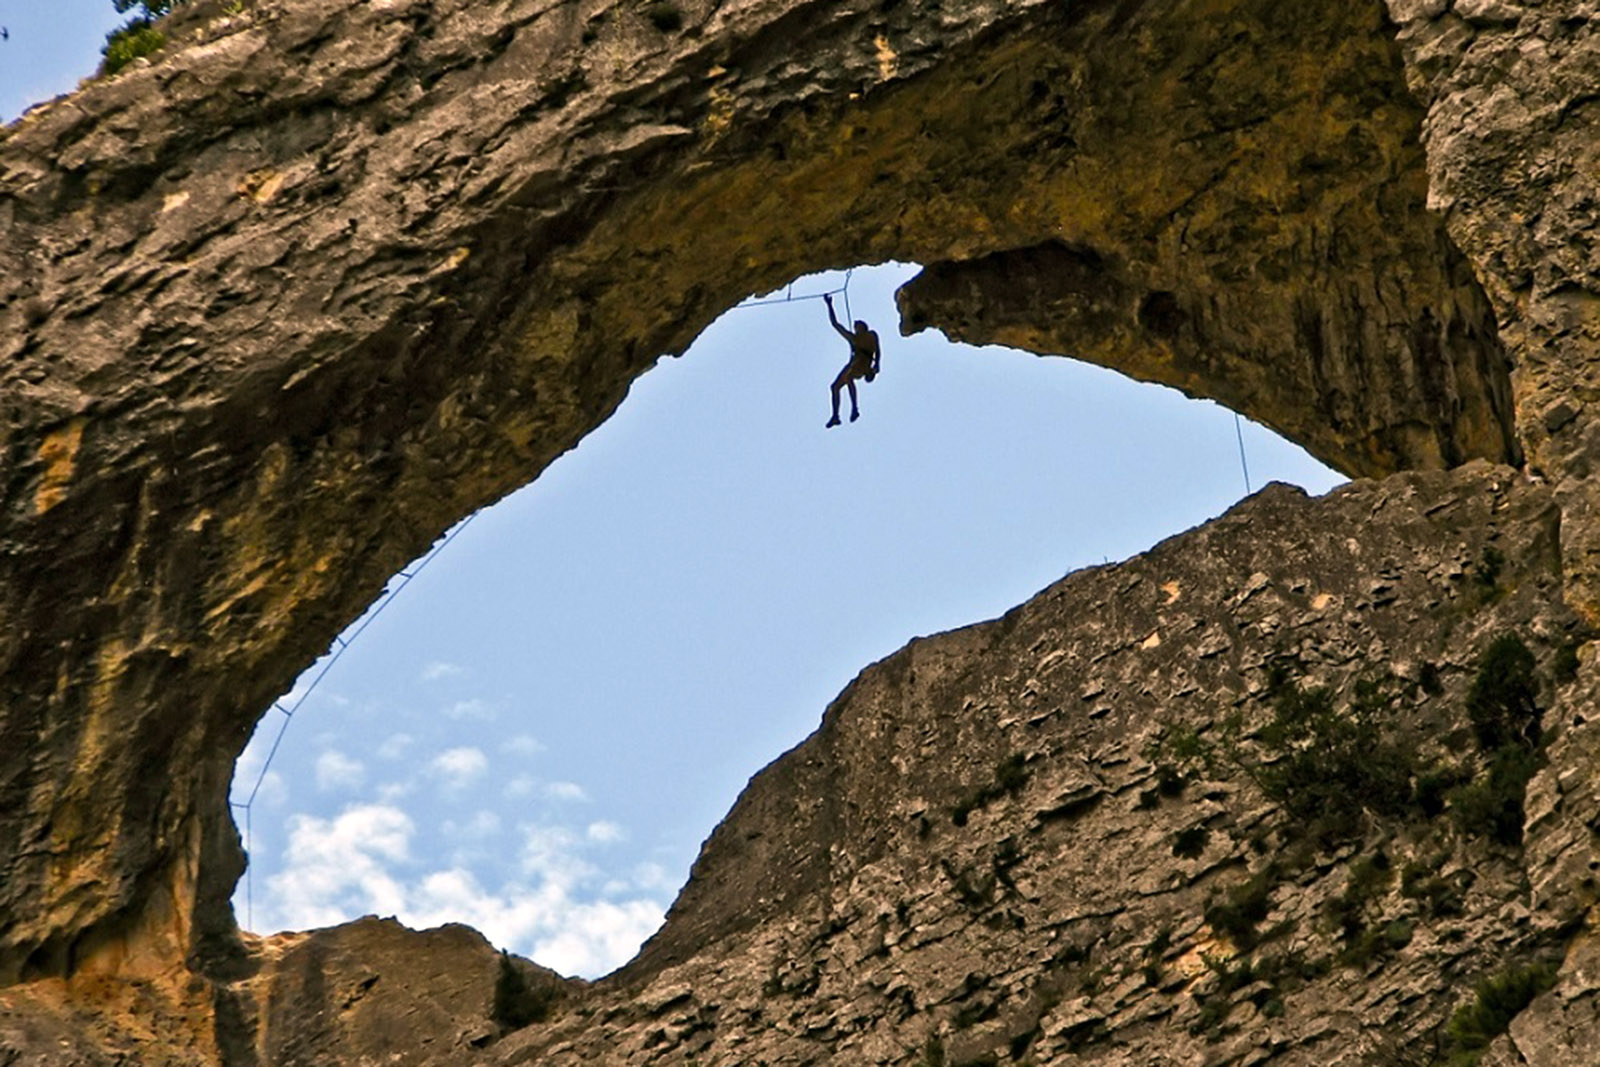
column 279, row 306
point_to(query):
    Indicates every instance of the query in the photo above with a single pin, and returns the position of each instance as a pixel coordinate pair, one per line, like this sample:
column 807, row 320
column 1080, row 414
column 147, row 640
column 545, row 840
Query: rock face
column 1035, row 878
column 279, row 307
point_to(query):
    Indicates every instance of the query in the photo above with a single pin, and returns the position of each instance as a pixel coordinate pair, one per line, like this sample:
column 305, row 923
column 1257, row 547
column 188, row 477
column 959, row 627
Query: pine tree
column 138, row 36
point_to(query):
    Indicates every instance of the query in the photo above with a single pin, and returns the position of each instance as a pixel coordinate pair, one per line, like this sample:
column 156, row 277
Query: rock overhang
column 288, row 302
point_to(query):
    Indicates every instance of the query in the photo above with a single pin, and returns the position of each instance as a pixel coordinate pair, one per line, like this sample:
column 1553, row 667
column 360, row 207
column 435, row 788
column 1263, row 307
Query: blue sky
column 53, row 44
column 537, row 733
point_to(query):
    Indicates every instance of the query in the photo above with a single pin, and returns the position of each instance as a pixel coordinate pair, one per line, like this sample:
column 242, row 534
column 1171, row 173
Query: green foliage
column 1331, row 766
column 1429, row 681
column 1500, row 998
column 135, row 38
column 1232, row 977
column 1492, row 806
column 1009, row 777
column 517, row 1003
column 1214, row 1012
column 1503, row 705
column 133, row 41
column 665, row 16
column 1503, row 700
column 1486, row 575
column 1328, row 767
column 554, row 94
column 1244, row 906
column 1188, row 844
column 148, row 9
column 1325, row 766
column 1419, row 882
column 1368, row 880
column 1564, row 668
column 1376, row 941
column 1434, row 785
column 1368, row 876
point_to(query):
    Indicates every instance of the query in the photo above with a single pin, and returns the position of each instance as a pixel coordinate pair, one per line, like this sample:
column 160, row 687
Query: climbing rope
column 341, row 645
column 1238, row 429
column 788, row 296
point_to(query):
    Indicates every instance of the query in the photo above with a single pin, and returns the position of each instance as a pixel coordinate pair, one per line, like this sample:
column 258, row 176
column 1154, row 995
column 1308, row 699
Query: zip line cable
column 341, row 646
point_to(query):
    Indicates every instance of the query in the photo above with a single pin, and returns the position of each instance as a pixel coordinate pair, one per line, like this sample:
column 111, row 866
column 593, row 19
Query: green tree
column 138, row 36
column 150, row 9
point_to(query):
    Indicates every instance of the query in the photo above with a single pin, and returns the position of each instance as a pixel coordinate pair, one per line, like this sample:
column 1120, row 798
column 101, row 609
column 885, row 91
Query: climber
column 865, row 356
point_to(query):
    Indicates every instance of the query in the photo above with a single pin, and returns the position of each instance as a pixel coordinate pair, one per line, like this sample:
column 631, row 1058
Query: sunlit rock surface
column 279, row 306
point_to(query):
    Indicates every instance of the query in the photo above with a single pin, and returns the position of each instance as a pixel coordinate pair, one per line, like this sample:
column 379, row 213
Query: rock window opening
column 537, row 736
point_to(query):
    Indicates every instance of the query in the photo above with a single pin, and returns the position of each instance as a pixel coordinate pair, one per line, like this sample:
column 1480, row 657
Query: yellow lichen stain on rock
column 133, row 987
column 520, row 432
column 719, row 111
column 552, row 334
column 98, row 738
column 1153, row 641
column 173, row 201
column 454, row 260
column 888, row 60
column 59, row 453
column 1321, row 601
column 1173, row 591
column 260, row 185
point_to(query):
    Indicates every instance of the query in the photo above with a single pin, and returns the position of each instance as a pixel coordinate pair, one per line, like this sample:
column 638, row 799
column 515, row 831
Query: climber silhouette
column 865, row 357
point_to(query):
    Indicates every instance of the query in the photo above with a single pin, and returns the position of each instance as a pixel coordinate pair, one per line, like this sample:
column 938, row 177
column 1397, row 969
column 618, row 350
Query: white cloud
column 335, row 770
column 653, row 876
column 520, row 786
column 433, row 670
column 394, row 746
column 389, row 792
column 482, row 824
column 470, row 709
column 274, row 790
column 604, row 832
column 247, row 772
column 587, row 938
column 458, row 767
column 523, row 745
column 549, row 853
column 565, row 791
column 356, row 863
column 598, row 937
column 337, row 869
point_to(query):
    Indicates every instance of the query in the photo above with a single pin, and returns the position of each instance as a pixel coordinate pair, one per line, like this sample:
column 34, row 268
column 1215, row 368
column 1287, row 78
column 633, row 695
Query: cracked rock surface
column 282, row 304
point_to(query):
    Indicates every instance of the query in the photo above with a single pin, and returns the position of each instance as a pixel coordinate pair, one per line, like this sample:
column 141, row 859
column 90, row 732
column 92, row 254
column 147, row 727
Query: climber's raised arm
column 827, row 298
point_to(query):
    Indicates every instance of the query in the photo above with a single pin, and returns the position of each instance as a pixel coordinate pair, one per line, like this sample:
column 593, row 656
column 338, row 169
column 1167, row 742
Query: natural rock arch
column 281, row 306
